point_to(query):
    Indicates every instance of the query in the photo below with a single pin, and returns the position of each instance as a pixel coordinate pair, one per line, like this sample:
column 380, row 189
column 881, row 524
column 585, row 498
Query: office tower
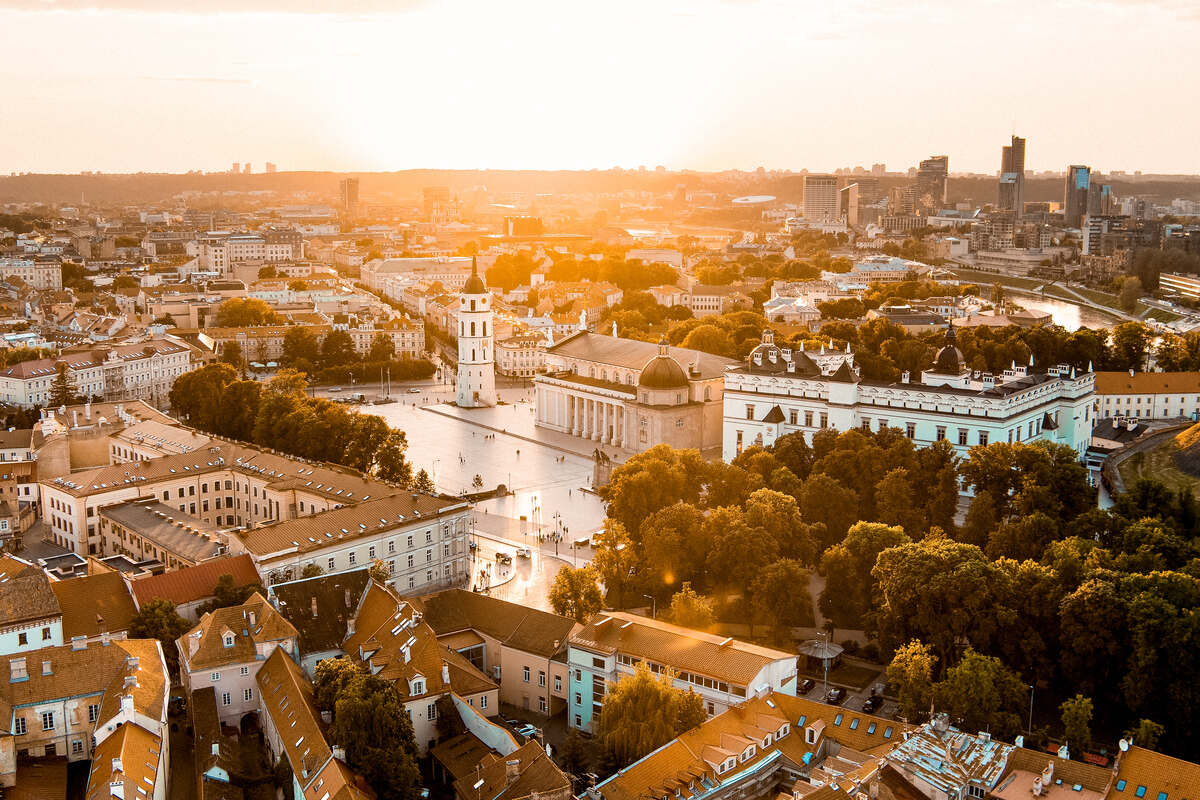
column 1099, row 198
column 820, row 197
column 868, row 190
column 848, row 202
column 236, row 168
column 271, row 167
column 931, row 184
column 878, row 169
column 1075, row 194
column 246, row 168
column 348, row 188
column 902, row 200
column 1012, row 177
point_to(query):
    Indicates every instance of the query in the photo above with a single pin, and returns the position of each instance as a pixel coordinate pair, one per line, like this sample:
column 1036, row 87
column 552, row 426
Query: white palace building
column 780, row 391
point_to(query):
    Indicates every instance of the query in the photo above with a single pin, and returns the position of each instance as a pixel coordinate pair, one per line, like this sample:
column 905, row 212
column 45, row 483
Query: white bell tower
column 476, row 355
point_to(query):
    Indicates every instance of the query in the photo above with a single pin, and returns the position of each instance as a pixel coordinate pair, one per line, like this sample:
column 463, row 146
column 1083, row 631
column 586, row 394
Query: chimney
column 512, row 771
column 904, row 377
column 216, row 748
column 339, row 753
column 75, row 414
column 314, row 606
column 347, row 598
column 87, row 409
column 116, row 765
column 445, row 673
column 253, row 618
column 1048, row 773
column 127, row 705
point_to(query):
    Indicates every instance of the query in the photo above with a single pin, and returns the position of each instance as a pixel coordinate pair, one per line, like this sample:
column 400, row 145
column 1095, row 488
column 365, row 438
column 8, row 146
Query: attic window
column 783, row 731
column 748, row 753
column 229, row 640
column 837, row 720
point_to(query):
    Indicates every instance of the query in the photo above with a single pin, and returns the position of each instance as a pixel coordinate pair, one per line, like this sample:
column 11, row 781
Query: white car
column 522, row 552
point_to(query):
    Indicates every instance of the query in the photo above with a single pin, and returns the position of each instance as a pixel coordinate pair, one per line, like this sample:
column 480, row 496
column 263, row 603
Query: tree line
column 280, row 416
column 1036, row 586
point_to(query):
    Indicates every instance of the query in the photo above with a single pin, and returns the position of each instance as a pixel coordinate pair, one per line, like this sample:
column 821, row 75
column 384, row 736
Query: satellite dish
column 1124, row 745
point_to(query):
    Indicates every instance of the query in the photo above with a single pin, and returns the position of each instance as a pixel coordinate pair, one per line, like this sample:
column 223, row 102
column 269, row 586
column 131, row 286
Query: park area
column 1175, row 462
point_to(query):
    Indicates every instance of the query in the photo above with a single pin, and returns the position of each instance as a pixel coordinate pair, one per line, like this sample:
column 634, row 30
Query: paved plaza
column 548, row 481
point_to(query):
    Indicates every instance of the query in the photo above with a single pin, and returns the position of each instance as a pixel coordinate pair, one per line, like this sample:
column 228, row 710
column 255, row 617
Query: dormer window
column 729, row 764
column 766, row 742
column 748, row 753
column 810, row 736
column 229, row 640
column 783, row 731
column 417, row 686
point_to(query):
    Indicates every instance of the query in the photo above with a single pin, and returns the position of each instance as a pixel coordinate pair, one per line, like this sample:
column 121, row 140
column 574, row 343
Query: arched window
column 472, row 305
column 472, row 353
column 484, row 328
column 472, row 328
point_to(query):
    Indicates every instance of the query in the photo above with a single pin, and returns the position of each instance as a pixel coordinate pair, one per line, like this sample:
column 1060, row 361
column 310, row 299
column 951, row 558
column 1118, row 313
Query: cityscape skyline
column 520, row 88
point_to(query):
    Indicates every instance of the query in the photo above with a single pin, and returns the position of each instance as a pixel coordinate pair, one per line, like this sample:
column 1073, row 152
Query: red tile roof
column 194, row 583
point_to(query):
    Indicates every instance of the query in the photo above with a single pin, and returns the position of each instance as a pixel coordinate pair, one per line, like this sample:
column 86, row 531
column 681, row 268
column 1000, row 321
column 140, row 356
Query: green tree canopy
column 576, row 593
column 644, row 711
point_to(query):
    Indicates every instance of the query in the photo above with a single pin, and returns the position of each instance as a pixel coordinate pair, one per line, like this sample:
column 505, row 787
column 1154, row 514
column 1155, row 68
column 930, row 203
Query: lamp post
column 1029, row 730
column 825, row 664
column 653, row 606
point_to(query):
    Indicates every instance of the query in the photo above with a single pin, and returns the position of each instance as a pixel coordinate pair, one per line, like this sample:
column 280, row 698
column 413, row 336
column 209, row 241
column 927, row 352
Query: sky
column 173, row 85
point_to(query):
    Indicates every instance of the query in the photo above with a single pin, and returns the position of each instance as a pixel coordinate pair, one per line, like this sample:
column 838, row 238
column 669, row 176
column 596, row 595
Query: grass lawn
column 1159, row 464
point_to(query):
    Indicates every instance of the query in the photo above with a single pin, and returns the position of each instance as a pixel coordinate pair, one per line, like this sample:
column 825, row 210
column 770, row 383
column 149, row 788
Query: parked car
column 474, row 545
column 807, row 685
column 335, row 388
column 872, row 704
column 522, row 552
column 529, row 731
column 414, row 390
column 503, row 558
column 835, row 696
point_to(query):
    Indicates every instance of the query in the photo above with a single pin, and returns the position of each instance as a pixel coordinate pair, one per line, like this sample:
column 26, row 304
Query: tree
column 337, row 349
column 849, row 584
column 738, row 553
column 300, row 347
column 573, row 758
column 238, row 409
column 823, row 500
column 62, row 390
column 1077, row 722
column 1145, row 734
column 576, row 593
column 1131, row 292
column 370, row 723
column 244, row 312
column 779, row 596
column 378, row 571
column 896, row 504
column 652, row 480
column 674, row 547
column 382, row 348
column 911, row 673
column 982, row 695
column 226, row 593
column 157, row 619
column 644, row 711
column 367, row 433
column 422, row 482
column 196, row 395
column 689, row 609
column 311, row 570
column 164, row 319
column 1130, row 345
column 232, row 354
column 390, row 464
column 330, row 679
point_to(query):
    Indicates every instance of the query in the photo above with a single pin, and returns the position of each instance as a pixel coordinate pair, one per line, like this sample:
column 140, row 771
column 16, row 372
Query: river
column 1070, row 316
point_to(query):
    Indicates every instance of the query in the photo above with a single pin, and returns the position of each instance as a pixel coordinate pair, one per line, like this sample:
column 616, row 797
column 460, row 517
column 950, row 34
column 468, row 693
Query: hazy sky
column 171, row 85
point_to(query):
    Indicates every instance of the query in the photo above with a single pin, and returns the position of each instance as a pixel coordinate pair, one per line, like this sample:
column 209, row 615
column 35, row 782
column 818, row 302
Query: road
column 526, row 581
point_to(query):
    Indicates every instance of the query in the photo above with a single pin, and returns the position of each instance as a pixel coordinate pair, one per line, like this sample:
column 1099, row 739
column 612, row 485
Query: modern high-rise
column 931, row 184
column 821, row 197
column 849, row 202
column 1099, row 199
column 1075, row 194
column 1012, row 177
column 348, row 189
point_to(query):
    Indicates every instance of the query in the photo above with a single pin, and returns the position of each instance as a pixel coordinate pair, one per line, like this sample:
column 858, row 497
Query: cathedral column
column 606, row 421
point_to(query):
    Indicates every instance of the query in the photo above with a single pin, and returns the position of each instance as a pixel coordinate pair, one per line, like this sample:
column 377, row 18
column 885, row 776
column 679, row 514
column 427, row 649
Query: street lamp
column 825, row 663
column 653, row 606
column 1029, row 730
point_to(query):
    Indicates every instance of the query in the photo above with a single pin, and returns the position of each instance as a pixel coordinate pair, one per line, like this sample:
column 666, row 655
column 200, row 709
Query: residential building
column 226, row 649
column 391, row 637
column 521, row 356
column 146, row 529
column 703, row 300
column 780, row 391
column 655, row 255
column 631, row 394
column 527, row 773
column 37, row 273
column 219, row 251
column 476, row 386
column 881, row 269
column 105, row 702
column 137, row 371
column 32, row 617
column 1148, row 395
column 1012, row 177
column 322, row 610
column 450, row 271
column 292, row 730
column 791, row 311
column 190, row 587
column 722, row 670
column 96, row 607
column 523, row 649
column 821, row 197
column 770, row 746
